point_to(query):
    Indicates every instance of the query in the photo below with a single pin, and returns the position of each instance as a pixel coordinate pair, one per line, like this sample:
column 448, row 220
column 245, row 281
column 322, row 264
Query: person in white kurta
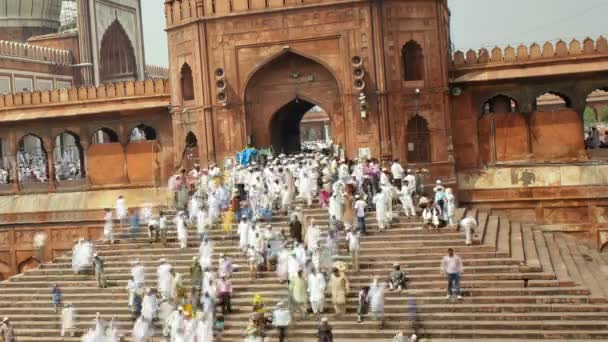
column 450, row 205
column 468, row 224
column 177, row 328
column 205, row 253
column 108, row 236
column 68, row 320
column 182, row 231
column 380, row 202
column 313, row 235
column 316, row 291
column 407, row 202
column 375, row 298
column 165, row 279
column 149, row 309
column 141, row 330
column 204, row 331
column 243, row 230
column 121, row 210
column 138, row 274
column 202, row 223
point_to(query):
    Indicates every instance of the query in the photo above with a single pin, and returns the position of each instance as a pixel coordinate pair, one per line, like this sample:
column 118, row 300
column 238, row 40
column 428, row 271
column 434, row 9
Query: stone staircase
column 519, row 284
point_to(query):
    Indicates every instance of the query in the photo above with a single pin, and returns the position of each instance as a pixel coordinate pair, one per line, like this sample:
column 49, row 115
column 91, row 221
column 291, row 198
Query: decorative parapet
column 150, row 87
column 182, row 11
column 156, row 71
column 533, row 53
column 34, row 53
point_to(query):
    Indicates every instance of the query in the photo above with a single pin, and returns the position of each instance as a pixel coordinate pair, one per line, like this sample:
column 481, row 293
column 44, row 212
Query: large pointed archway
column 281, row 92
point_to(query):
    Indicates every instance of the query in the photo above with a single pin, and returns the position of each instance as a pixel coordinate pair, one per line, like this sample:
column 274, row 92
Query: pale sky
column 475, row 23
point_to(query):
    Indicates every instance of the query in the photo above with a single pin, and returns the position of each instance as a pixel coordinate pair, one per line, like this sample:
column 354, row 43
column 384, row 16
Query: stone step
column 264, row 280
column 503, row 243
column 559, row 267
column 482, row 221
column 491, row 232
column 543, row 252
column 590, row 276
column 246, row 294
column 517, row 243
column 544, row 297
column 530, row 252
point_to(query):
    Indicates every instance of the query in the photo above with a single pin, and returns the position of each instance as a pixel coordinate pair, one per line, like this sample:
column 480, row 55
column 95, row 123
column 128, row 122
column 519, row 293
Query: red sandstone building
column 246, row 72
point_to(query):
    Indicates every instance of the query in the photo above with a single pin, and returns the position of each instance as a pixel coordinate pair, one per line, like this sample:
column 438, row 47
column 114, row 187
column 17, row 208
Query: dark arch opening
column 68, row 157
column 142, row 132
column 104, row 136
column 500, row 104
column 418, row 140
column 33, row 166
column 413, row 61
column 552, row 101
column 187, row 84
column 285, row 126
column 117, row 57
column 190, row 156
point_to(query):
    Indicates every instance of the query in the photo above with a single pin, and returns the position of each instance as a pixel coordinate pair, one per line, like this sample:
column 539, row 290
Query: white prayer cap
column 438, row 182
column 324, row 320
column 161, row 260
column 5, row 319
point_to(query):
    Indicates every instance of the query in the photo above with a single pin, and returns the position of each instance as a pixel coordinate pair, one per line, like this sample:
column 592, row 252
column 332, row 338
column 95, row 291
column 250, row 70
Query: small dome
column 21, row 19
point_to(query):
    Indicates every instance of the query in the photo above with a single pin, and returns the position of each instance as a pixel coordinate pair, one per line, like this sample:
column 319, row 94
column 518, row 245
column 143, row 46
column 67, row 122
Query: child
column 57, row 296
column 363, row 304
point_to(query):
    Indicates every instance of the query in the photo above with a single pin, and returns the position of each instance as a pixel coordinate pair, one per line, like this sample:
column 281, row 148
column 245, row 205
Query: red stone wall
column 107, row 164
column 557, row 135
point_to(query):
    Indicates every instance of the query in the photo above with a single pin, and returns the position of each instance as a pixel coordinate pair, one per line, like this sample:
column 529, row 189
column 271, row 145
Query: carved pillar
column 380, row 71
column 48, row 146
column 84, row 163
column 84, row 43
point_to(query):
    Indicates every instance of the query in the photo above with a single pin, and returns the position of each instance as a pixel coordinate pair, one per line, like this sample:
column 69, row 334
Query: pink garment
column 224, row 286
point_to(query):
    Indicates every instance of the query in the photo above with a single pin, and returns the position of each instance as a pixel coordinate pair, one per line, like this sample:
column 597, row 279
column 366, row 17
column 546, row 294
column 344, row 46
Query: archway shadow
column 285, row 126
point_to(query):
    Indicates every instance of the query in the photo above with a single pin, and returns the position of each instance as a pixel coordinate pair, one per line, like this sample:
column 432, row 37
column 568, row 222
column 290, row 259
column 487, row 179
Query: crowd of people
column 310, row 263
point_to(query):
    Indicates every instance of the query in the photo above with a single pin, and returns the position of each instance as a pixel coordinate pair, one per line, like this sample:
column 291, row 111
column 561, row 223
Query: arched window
column 552, row 101
column 191, row 140
column 190, row 156
column 418, row 140
column 32, row 160
column 117, row 57
column 27, row 264
column 68, row 157
column 104, row 136
column 413, row 62
column 142, row 132
column 187, row 83
column 500, row 104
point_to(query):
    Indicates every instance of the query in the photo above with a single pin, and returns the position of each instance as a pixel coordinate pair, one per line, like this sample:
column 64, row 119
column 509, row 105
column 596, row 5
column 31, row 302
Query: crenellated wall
column 533, row 53
column 127, row 89
column 182, row 11
column 157, row 71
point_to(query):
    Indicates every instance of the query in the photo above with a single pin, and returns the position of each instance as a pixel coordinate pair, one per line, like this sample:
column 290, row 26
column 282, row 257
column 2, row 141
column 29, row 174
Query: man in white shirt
column 360, row 206
column 411, row 179
column 353, row 238
column 397, row 171
column 451, row 265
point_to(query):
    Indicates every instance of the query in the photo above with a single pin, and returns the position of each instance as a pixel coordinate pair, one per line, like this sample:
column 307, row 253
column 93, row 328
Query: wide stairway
column 519, row 284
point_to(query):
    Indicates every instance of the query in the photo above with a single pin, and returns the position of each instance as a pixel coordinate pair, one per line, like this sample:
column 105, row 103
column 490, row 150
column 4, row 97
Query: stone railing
column 156, row 71
column 534, row 52
column 179, row 11
column 35, row 53
column 150, row 87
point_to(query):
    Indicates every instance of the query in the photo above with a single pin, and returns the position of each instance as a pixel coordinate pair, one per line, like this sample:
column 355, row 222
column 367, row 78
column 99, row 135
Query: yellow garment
column 188, row 308
column 228, row 221
column 258, row 303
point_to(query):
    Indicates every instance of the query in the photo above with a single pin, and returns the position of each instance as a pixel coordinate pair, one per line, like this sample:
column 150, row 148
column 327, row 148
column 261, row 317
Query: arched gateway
column 280, row 92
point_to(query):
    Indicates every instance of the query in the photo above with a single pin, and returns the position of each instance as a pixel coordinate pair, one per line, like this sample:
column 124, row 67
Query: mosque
column 83, row 118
